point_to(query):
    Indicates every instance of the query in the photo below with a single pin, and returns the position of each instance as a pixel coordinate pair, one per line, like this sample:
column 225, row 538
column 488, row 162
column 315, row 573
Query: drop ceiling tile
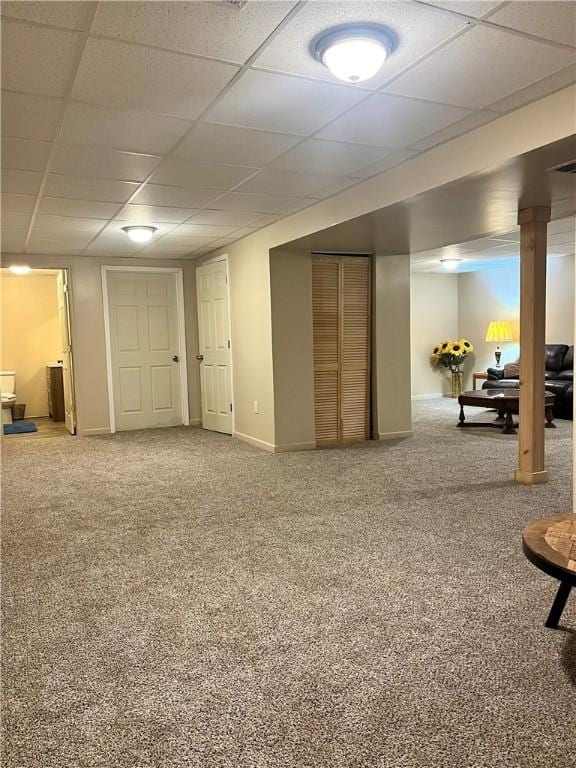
column 390, row 161
column 236, row 146
column 475, row 8
column 177, row 197
column 418, row 29
column 102, row 162
column 244, row 232
column 133, row 77
column 30, row 117
column 18, row 220
column 107, row 247
column 76, row 187
column 25, row 154
column 476, row 79
column 17, row 203
column 390, row 121
column 469, row 123
column 184, row 173
column 38, row 59
column 203, row 230
column 154, row 213
column 337, row 184
column 238, row 201
column 21, row 182
column 552, row 21
column 288, row 183
column 75, row 239
column 538, row 90
column 62, row 206
column 68, row 224
column 70, row 15
column 282, row 103
column 330, row 157
column 13, row 239
column 226, row 218
column 41, row 245
column 121, row 129
column 218, row 30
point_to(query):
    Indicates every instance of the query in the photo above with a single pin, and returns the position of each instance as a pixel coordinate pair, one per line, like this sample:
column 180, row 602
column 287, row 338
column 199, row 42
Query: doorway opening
column 36, row 368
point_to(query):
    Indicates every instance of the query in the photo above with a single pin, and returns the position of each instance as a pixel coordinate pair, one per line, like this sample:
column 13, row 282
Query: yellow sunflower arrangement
column 451, row 354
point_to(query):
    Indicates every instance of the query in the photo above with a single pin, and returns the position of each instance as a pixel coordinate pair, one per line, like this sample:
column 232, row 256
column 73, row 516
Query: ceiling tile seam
column 292, row 12
column 76, row 145
column 68, row 90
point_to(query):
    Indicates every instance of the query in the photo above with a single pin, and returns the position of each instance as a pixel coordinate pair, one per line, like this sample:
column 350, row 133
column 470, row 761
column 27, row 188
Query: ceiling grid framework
column 212, row 120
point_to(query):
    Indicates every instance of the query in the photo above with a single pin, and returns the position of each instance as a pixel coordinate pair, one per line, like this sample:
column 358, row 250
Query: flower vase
column 457, row 383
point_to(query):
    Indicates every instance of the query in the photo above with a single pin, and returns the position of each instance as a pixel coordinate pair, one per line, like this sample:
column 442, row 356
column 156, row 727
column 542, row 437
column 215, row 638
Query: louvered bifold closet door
column 355, row 349
column 326, row 320
column 341, row 316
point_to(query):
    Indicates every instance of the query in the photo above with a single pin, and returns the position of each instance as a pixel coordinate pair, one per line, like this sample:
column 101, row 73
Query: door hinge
column 230, row 407
column 228, row 343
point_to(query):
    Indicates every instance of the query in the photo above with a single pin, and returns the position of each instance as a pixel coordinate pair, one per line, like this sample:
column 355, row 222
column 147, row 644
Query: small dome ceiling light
column 19, row 269
column 451, row 263
column 140, row 234
column 354, row 52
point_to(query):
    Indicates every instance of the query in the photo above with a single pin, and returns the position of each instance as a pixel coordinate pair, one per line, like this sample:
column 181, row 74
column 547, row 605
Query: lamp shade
column 499, row 330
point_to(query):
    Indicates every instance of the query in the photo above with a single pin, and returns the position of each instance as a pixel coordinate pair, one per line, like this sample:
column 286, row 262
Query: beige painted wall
column 88, row 342
column 494, row 294
column 292, row 342
column 433, row 318
column 30, row 335
column 249, row 280
column 391, row 346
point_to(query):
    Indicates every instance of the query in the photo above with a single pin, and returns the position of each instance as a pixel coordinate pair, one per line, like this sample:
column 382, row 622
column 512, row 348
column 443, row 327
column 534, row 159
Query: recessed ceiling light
column 451, row 263
column 139, row 234
column 20, row 269
column 354, row 52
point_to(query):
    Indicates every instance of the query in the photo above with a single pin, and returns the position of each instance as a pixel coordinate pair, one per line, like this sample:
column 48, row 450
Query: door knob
column 200, row 357
column 176, row 358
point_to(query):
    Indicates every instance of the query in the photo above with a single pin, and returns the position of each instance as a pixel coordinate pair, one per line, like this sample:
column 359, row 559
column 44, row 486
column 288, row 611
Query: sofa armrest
column 495, row 373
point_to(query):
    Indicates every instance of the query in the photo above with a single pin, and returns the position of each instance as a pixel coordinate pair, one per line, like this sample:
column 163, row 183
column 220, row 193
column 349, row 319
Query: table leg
column 461, row 418
column 558, row 605
column 509, row 425
column 550, row 418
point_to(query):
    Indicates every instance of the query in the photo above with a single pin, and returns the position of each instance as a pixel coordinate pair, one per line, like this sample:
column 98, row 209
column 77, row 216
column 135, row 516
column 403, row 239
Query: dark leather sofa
column 559, row 378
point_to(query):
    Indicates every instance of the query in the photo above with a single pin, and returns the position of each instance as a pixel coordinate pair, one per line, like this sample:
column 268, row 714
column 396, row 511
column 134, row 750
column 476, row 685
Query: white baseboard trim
column 394, row 435
column 195, row 422
column 95, row 431
column 272, row 447
column 255, row 441
column 430, row 396
column 294, row 447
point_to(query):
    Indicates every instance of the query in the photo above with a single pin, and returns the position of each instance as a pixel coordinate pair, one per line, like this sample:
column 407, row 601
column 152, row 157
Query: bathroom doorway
column 36, row 368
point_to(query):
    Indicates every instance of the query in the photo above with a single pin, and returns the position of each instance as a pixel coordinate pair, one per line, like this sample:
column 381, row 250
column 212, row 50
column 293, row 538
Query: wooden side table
column 478, row 376
column 550, row 544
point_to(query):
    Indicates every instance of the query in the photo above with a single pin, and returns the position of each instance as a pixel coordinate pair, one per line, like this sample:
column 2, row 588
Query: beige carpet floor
column 175, row 598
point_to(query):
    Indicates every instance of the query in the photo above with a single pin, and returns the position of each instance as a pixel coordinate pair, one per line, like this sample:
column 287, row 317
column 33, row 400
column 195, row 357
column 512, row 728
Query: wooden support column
column 533, row 224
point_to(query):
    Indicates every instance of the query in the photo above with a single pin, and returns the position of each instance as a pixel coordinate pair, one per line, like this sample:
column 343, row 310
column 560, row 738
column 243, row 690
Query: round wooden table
column 550, row 543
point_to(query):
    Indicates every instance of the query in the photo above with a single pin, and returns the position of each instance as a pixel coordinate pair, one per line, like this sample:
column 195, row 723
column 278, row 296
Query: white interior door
column 214, row 346
column 144, row 349
column 66, row 351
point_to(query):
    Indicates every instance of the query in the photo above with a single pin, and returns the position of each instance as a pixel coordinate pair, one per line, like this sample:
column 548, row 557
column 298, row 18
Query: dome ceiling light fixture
column 140, row 234
column 354, row 52
column 451, row 263
column 19, row 269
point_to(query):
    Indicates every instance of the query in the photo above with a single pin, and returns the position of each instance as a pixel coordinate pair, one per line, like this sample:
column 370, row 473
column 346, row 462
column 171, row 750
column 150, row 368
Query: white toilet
column 7, row 386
